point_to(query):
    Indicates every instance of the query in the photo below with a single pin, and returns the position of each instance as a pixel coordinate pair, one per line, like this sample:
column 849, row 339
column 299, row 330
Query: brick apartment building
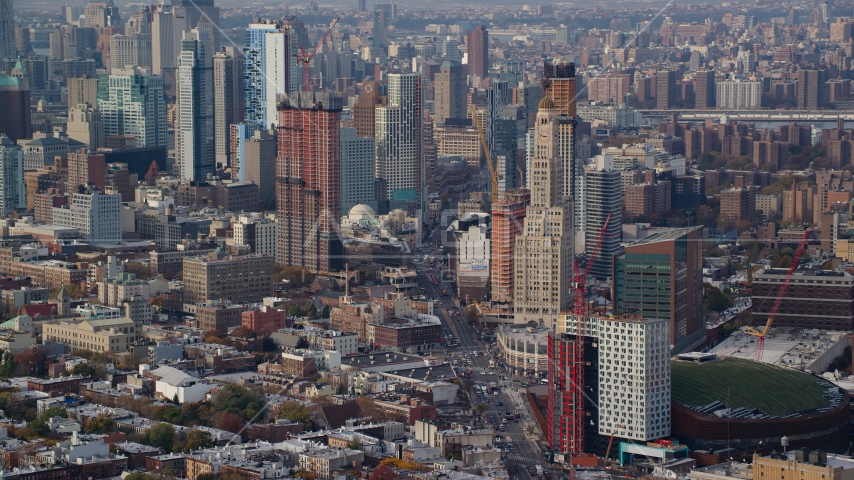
column 738, row 204
column 815, row 299
column 263, row 320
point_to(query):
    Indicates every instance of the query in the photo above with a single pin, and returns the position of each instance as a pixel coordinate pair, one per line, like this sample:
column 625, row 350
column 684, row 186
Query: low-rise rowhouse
column 405, row 409
column 324, row 462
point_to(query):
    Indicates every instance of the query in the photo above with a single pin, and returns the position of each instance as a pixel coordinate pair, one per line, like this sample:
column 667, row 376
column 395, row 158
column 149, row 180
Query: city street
column 522, row 453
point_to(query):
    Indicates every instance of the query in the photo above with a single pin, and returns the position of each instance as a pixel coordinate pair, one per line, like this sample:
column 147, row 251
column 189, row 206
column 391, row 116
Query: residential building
column 7, row 30
column 417, row 335
column 83, row 90
column 705, row 89
column 228, row 99
column 86, row 168
column 168, row 23
column 259, row 233
column 477, row 48
column 357, row 169
column 263, row 320
column 665, row 89
column 648, row 198
column 738, row 204
column 194, row 133
column 459, row 138
column 737, row 94
column 324, row 462
column 85, row 126
column 610, row 88
column 810, row 88
column 256, row 163
column 129, row 51
column 271, row 71
column 544, row 251
column 220, row 316
column 399, row 144
column 238, row 279
column 660, row 276
column 308, row 182
column 41, row 153
column 769, row 205
column 113, row 292
column 602, row 205
column 508, row 217
column 13, row 194
column 559, row 85
column 95, row 214
column 815, row 299
column 619, row 115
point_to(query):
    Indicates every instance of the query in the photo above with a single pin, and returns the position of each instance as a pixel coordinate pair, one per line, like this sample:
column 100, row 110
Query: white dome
column 361, row 211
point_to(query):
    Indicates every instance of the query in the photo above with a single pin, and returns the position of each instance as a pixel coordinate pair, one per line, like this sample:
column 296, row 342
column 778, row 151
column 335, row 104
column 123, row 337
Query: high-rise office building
column 86, row 168
column 7, row 29
column 364, row 109
column 194, row 135
column 665, row 89
column 85, row 125
column 127, row 51
column 13, row 195
column 271, row 72
column 661, row 277
column 132, row 102
column 602, row 198
column 544, row 251
column 228, row 99
column 477, row 48
column 508, row 219
column 357, row 169
column 204, row 15
column 449, row 92
column 16, row 121
column 308, row 182
column 379, row 31
column 168, row 25
column 399, row 143
column 705, row 91
column 82, row 90
column 139, row 23
column 361, row 5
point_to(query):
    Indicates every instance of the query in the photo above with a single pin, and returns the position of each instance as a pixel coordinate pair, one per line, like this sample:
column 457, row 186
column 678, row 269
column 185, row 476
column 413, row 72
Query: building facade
column 133, row 102
column 95, row 214
column 243, row 279
column 194, row 135
column 814, row 299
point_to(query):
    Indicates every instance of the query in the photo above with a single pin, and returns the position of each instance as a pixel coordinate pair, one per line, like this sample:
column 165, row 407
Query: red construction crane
column 578, row 282
column 760, row 344
column 305, row 60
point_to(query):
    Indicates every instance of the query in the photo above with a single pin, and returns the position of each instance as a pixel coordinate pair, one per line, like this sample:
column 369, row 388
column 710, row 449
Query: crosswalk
column 529, row 459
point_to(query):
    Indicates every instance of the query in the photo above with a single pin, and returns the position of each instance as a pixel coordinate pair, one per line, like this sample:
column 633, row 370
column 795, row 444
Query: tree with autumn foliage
column 383, row 472
column 230, row 422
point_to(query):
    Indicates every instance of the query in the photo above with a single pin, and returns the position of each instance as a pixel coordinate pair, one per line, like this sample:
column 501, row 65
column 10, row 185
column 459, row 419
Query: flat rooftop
column 663, row 234
column 783, row 346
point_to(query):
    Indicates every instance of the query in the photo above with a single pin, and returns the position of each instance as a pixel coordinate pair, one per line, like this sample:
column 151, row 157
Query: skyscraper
column 661, row 277
column 13, row 195
column 665, row 89
column 194, row 136
column 399, row 142
column 544, row 251
column 228, row 99
column 132, row 102
column 380, row 30
column 16, row 120
column 602, row 198
column 308, row 182
column 7, row 29
column 449, row 90
column 202, row 14
column 477, row 46
column 127, row 51
column 357, row 169
column 259, row 165
column 704, row 89
column 508, row 218
column 167, row 28
column 84, row 168
column 271, row 72
column 364, row 109
column 559, row 85
column 85, row 125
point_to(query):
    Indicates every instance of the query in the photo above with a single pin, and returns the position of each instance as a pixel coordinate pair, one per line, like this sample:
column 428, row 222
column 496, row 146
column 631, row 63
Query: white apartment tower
column 95, row 214
column 271, row 71
column 194, row 135
column 13, row 194
column 544, row 251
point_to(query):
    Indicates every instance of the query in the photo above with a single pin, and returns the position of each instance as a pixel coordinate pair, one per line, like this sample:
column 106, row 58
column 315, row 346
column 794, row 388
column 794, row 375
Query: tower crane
column 578, row 282
column 305, row 59
column 492, row 171
column 760, row 343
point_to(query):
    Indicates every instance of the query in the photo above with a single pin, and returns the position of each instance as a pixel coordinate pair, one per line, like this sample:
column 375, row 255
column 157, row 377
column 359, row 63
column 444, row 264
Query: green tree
column 295, row 311
column 354, row 444
column 296, row 412
column 714, row 300
column 481, row 408
column 162, row 435
column 198, row 439
column 141, row 271
column 326, row 312
column 136, row 476
column 7, row 368
column 86, row 370
column 39, row 426
column 101, row 424
column 53, row 412
column 239, row 400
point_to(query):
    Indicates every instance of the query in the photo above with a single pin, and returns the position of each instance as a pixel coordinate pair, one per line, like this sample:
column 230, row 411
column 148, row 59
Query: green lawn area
column 775, row 390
